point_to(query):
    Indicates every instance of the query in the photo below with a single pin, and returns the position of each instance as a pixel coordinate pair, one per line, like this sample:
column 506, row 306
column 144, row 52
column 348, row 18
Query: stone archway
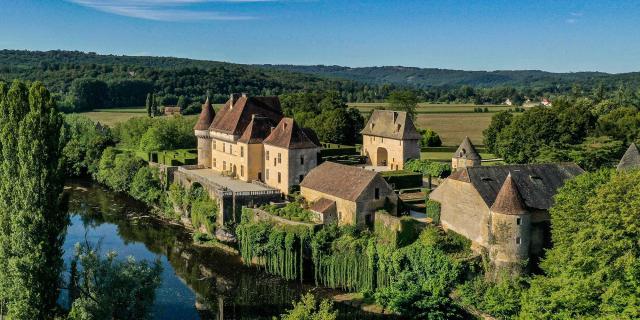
column 382, row 157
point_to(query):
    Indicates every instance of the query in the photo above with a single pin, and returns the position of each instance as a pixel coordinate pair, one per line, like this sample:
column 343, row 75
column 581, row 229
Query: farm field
column 434, row 107
column 453, row 127
column 445, row 153
column 113, row 116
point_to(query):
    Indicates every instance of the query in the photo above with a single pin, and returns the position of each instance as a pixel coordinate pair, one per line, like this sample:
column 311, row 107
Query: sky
column 551, row 35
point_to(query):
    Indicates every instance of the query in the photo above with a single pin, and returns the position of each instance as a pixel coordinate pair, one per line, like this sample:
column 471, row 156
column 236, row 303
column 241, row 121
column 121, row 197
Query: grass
column 445, row 153
column 453, row 127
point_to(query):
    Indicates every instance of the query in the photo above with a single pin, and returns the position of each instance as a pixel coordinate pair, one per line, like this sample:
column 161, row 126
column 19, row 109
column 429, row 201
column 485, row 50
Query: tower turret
column 465, row 156
column 510, row 225
column 630, row 159
column 201, row 131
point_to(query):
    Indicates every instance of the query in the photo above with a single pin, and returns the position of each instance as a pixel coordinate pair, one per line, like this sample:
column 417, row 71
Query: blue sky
column 558, row 35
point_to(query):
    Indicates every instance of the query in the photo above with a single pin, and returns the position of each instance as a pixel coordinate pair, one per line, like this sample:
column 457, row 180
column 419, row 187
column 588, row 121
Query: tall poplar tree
column 32, row 218
column 148, row 104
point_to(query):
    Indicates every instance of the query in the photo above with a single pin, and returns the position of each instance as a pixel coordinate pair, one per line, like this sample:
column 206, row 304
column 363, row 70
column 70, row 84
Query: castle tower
column 201, row 130
column 510, row 227
column 630, row 159
column 465, row 156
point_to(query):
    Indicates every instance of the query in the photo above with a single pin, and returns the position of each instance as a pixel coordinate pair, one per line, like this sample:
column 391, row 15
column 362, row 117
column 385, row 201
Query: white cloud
column 165, row 10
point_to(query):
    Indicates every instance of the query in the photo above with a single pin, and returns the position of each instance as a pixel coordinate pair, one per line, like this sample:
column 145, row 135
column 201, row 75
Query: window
column 267, row 174
column 224, row 166
column 267, row 155
column 224, row 149
column 242, row 171
column 214, row 162
column 214, row 144
column 279, row 158
column 275, row 161
column 377, row 193
column 301, row 159
column 517, row 240
column 518, row 221
column 242, row 151
column 301, row 177
column 230, row 148
column 382, row 140
column 279, row 178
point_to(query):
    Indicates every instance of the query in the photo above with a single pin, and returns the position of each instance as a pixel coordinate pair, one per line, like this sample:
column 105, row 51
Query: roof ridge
column 467, row 150
column 206, row 116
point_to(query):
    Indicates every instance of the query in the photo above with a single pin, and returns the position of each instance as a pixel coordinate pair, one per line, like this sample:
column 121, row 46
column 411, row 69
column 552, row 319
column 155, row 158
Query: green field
column 434, row 107
column 446, row 153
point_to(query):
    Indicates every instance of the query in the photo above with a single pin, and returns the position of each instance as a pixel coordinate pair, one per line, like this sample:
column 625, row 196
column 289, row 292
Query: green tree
column 109, row 288
column 430, row 138
column 84, row 142
column 32, row 218
column 521, row 140
column 308, row 309
column 88, row 93
column 182, row 103
column 116, row 170
column 499, row 121
column 148, row 104
column 593, row 269
column 146, row 185
column 404, row 100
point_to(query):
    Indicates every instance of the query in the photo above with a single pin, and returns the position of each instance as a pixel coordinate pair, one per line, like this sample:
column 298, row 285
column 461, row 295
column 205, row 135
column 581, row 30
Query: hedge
column 403, row 179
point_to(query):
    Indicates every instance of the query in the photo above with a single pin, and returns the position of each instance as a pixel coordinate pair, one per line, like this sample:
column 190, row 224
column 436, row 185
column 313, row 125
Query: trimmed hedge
column 433, row 210
column 403, row 179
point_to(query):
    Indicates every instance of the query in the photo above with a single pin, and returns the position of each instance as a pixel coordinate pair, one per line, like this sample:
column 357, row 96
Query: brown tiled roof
column 467, row 150
column 630, row 159
column 288, row 135
column 323, row 205
column 206, row 116
column 536, row 183
column 508, row 200
column 391, row 124
column 257, row 130
column 339, row 180
column 461, row 175
column 236, row 114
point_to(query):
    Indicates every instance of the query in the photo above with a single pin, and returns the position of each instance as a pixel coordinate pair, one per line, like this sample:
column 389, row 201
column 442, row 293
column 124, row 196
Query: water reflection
column 197, row 282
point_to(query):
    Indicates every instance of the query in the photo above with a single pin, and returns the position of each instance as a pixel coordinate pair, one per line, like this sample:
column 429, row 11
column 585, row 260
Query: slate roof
column 536, row 183
column 206, row 116
column 508, row 200
column 237, row 113
column 257, row 130
column 323, row 205
column 287, row 134
column 391, row 124
column 630, row 159
column 467, row 150
column 339, row 180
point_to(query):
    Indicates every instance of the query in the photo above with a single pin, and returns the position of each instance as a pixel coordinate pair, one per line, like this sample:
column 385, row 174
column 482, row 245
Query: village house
column 465, row 156
column 631, row 159
column 171, row 110
column 503, row 209
column 390, row 139
column 249, row 139
column 347, row 194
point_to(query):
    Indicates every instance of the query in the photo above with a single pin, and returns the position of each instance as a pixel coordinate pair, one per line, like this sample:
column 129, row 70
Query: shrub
column 433, row 210
column 116, row 170
column 430, row 138
column 403, row 179
column 429, row 168
column 146, row 185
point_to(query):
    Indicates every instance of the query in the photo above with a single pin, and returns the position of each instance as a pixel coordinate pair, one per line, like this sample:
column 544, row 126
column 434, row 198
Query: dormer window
column 372, row 125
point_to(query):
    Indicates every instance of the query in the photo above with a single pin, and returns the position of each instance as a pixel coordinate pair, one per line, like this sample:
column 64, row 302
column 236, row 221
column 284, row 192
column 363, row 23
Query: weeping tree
column 32, row 220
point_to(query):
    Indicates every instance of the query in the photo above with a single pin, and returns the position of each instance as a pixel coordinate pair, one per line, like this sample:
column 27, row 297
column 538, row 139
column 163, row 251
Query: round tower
column 465, row 156
column 201, row 131
column 510, row 225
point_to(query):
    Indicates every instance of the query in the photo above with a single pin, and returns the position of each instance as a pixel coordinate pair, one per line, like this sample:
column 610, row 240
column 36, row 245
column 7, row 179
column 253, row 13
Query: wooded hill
column 430, row 77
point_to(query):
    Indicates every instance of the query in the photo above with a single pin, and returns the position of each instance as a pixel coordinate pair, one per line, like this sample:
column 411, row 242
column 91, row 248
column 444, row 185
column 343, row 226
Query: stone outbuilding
column 503, row 209
column 390, row 139
column 631, row 159
column 353, row 194
column 465, row 156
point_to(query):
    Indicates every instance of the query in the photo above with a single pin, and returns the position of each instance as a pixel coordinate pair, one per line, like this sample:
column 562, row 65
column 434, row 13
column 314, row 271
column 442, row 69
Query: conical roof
column 206, row 116
column 630, row 159
column 508, row 200
column 467, row 150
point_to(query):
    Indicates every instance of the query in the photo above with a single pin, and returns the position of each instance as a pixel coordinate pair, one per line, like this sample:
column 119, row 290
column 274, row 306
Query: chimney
column 244, row 95
column 234, row 98
column 395, row 116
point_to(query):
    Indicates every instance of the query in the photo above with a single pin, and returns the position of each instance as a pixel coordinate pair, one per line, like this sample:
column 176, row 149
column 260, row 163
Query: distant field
column 434, row 108
column 453, row 127
column 113, row 116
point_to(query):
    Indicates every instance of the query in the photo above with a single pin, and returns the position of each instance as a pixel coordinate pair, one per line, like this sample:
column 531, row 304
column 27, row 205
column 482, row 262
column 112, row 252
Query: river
column 197, row 282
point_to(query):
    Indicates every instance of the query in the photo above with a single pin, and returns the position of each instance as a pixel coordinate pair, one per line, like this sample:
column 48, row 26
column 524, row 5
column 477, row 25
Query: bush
column 433, row 210
column 155, row 134
column 85, row 140
column 429, row 168
column 116, row 170
column 430, row 138
column 403, row 179
column 500, row 298
column 308, row 309
column 146, row 185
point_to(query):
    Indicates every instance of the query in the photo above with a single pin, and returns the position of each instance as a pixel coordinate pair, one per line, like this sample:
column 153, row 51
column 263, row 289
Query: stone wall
column 397, row 151
column 510, row 239
column 463, row 210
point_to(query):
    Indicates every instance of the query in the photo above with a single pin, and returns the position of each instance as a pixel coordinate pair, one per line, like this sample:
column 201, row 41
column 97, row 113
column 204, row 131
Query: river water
column 197, row 282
